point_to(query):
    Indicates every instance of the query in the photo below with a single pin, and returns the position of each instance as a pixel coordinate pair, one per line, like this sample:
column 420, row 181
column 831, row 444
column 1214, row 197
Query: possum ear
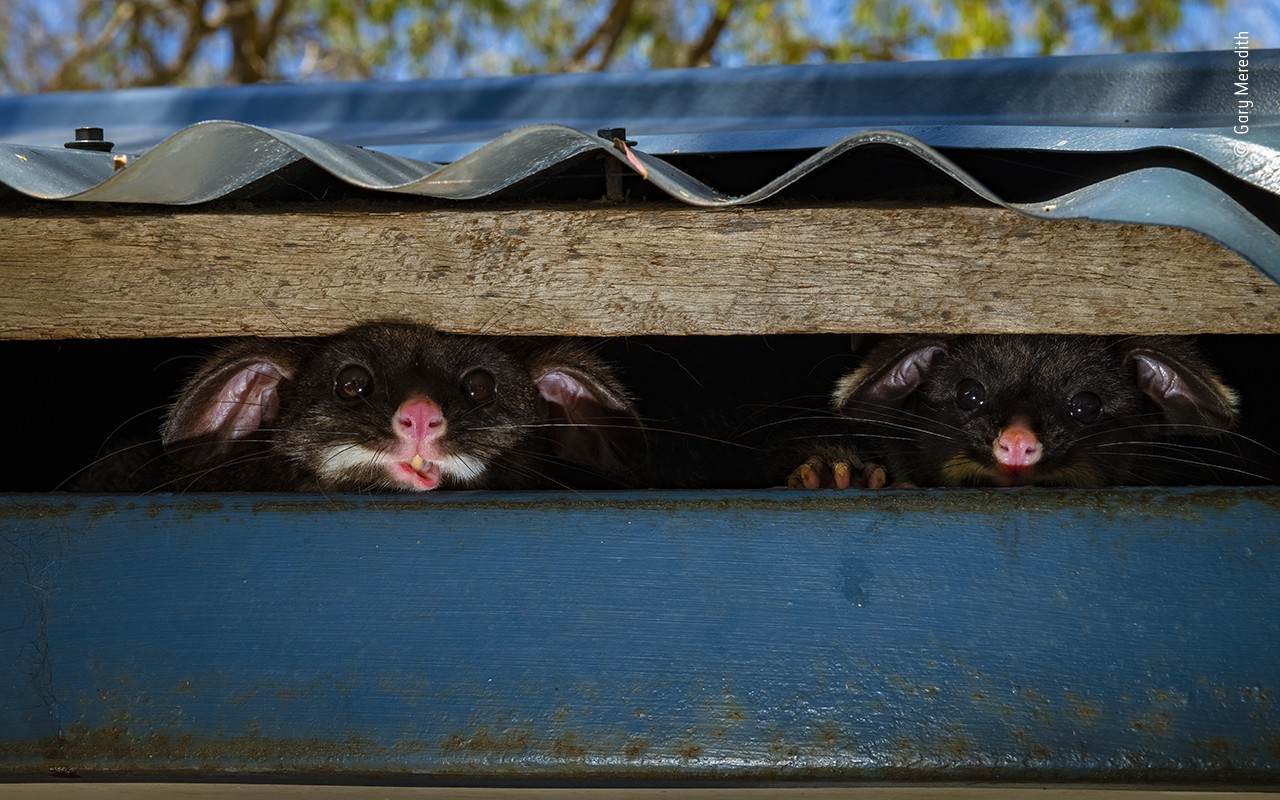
column 891, row 372
column 231, row 397
column 592, row 421
column 1187, row 389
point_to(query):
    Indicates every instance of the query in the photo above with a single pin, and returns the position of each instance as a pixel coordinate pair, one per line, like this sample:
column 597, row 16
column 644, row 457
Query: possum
column 394, row 407
column 1001, row 410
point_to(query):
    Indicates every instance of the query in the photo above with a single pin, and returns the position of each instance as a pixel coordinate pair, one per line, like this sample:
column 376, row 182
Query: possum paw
column 819, row 472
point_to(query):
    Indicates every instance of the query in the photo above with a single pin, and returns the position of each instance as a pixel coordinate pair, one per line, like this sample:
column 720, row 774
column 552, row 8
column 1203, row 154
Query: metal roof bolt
column 613, row 172
column 615, row 133
column 90, row 139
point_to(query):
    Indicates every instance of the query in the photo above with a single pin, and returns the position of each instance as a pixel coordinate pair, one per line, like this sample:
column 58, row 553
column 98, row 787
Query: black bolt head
column 90, row 139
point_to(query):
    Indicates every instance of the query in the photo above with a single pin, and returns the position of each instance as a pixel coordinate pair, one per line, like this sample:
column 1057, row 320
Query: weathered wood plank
column 66, row 790
column 913, row 635
column 612, row 271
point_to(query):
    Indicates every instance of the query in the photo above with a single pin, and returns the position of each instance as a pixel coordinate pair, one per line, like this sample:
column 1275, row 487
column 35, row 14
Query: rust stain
column 1218, row 748
column 567, row 746
column 481, row 741
column 1156, row 723
column 34, row 511
column 1043, row 716
column 1083, row 710
column 635, row 748
column 903, row 685
column 829, row 734
column 957, row 747
column 101, row 509
column 117, row 742
column 192, row 508
column 1154, row 503
column 1256, row 694
column 689, row 751
column 779, row 750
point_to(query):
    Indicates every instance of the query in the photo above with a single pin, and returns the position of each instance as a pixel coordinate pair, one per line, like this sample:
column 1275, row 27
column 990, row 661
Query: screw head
column 614, row 133
column 90, row 138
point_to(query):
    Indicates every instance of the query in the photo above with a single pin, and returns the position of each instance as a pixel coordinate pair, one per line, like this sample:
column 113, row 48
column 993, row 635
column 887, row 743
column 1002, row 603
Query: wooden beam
column 93, row 272
column 81, row 790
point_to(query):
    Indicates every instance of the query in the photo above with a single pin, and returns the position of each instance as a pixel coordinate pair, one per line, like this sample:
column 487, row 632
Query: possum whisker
column 1224, row 432
column 852, row 436
column 530, row 472
column 99, row 460
column 868, row 421
column 673, row 431
column 180, row 446
column 279, row 318
column 885, row 408
column 820, row 417
column 572, row 465
column 789, row 403
column 1177, row 445
column 197, row 475
column 308, row 431
column 834, row 416
column 1180, row 447
column 1137, row 454
column 677, row 362
column 117, row 428
column 834, row 356
column 183, row 357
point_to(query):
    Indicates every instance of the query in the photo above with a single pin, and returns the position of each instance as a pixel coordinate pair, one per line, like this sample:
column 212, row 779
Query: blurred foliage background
column 90, row 44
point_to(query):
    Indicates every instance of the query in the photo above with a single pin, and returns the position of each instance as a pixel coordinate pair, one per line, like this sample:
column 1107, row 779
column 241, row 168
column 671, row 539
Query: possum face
column 403, row 407
column 1021, row 410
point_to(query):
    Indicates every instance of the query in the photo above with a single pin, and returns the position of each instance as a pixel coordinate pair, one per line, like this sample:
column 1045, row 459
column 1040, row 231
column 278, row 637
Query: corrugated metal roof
column 397, row 137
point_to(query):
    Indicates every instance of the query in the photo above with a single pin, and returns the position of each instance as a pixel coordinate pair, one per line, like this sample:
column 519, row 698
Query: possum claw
column 840, row 474
column 809, row 475
column 873, row 476
column 819, row 473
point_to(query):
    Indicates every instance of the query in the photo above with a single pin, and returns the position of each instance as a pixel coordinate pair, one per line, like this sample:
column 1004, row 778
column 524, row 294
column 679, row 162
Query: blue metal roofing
column 495, row 132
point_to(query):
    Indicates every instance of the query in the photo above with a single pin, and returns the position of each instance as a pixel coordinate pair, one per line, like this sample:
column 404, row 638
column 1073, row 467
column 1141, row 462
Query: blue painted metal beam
column 1037, row 635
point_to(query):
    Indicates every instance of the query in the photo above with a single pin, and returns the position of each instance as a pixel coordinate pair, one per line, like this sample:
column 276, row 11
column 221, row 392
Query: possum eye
column 970, row 394
column 352, row 382
column 1085, row 406
column 479, row 385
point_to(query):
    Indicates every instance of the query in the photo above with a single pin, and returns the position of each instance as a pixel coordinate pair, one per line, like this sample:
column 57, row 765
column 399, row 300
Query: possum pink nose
column 418, row 419
column 1017, row 446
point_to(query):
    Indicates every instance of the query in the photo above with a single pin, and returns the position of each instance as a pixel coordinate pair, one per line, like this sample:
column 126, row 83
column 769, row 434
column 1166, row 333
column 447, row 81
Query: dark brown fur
column 521, row 439
column 900, row 410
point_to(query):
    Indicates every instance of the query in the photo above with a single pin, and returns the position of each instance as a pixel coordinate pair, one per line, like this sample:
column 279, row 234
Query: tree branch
column 269, row 33
column 700, row 51
column 618, row 24
column 611, row 25
column 67, row 75
column 197, row 30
